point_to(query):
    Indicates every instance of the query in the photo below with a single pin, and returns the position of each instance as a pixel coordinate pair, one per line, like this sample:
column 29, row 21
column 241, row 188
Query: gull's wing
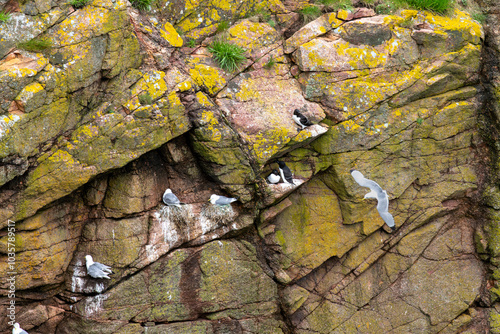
column 388, row 218
column 96, row 272
column 223, row 200
column 171, row 199
column 103, row 267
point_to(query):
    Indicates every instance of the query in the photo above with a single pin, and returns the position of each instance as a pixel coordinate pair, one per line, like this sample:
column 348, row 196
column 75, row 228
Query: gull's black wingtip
column 393, row 228
column 352, row 170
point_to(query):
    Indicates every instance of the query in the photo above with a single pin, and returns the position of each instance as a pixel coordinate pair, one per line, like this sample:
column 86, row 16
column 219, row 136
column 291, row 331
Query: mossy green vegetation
column 142, row 4
column 4, row 16
column 79, row 3
column 191, row 43
column 270, row 63
column 335, row 5
column 439, row 6
column 229, row 56
column 145, row 99
column 35, row 44
column 310, row 13
column 223, row 26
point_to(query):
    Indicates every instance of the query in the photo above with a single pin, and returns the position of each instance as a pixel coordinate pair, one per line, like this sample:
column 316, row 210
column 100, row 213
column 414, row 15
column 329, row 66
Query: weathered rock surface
column 122, row 105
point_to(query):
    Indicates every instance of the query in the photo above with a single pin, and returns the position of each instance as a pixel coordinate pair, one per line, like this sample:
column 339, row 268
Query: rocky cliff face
column 119, row 108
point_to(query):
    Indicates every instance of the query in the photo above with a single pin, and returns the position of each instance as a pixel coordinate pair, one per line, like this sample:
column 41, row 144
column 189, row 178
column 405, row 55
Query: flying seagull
column 376, row 192
column 300, row 119
column 96, row 269
column 286, row 173
column 170, row 199
column 18, row 330
column 274, row 177
column 221, row 200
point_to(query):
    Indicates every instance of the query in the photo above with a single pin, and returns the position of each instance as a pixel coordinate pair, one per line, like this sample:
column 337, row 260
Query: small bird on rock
column 18, row 330
column 221, row 200
column 96, row 269
column 274, row 177
column 286, row 173
column 300, row 119
column 170, row 199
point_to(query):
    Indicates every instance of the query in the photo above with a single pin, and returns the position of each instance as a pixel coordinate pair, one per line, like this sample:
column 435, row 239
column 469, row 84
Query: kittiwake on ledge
column 286, row 173
column 18, row 330
column 96, row 269
column 274, row 177
column 376, row 192
column 169, row 198
column 221, row 200
column 300, row 119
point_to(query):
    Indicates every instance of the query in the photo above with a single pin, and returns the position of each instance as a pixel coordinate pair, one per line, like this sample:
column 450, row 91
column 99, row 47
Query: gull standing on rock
column 286, row 173
column 221, row 200
column 96, row 269
column 18, row 330
column 300, row 119
column 376, row 192
column 170, row 199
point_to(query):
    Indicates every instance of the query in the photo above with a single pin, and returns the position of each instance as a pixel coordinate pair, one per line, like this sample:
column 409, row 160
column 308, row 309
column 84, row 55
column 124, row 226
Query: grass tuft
column 4, row 16
column 228, row 56
column 79, row 3
column 192, row 43
column 223, row 26
column 479, row 17
column 439, row 6
column 310, row 13
column 145, row 99
column 35, row 44
column 142, row 4
column 270, row 63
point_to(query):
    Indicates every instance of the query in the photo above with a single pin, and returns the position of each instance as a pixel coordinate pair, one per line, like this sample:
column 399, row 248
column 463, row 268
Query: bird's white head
column 168, row 191
column 89, row 261
column 16, row 329
column 213, row 198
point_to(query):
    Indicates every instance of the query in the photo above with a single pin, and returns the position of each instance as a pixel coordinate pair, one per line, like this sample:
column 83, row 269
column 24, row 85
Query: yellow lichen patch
column 190, row 23
column 169, row 33
column 208, row 117
column 342, row 14
column 333, row 21
column 208, row 77
column 203, row 100
column 266, row 144
column 29, row 91
column 460, row 21
column 7, row 121
column 185, row 85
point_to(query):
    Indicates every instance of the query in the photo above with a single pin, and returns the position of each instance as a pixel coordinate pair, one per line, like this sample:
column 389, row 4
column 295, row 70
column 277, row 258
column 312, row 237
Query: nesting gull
column 286, row 173
column 170, row 199
column 96, row 269
column 221, row 200
column 300, row 119
column 376, row 192
column 274, row 177
column 18, row 330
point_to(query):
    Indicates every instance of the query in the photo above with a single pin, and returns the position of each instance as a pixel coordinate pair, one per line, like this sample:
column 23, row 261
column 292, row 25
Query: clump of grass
column 145, row 99
column 79, row 3
column 407, row 23
column 270, row 63
column 479, row 17
column 4, row 16
column 386, row 8
column 335, row 5
column 191, row 43
column 223, row 26
column 310, row 13
column 439, row 6
column 228, row 56
column 272, row 23
column 35, row 44
column 263, row 14
column 142, row 4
